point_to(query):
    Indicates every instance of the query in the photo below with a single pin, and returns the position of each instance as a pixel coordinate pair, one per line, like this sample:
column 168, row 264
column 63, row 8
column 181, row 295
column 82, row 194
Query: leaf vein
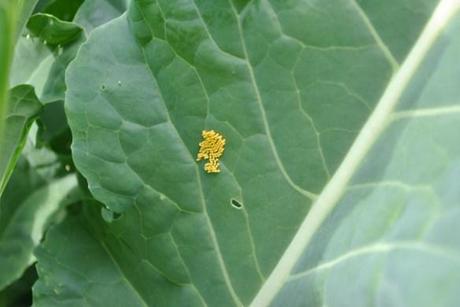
column 382, row 247
column 386, row 51
column 203, row 201
column 302, row 191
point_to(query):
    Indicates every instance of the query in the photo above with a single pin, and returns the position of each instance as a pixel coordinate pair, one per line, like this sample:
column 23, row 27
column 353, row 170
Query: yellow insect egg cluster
column 211, row 149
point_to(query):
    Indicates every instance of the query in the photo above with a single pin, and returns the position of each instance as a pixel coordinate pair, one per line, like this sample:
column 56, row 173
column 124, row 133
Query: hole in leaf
column 102, row 87
column 236, row 204
column 109, row 216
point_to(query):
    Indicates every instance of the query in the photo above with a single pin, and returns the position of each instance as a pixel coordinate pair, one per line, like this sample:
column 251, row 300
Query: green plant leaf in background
column 34, row 195
column 39, row 65
column 24, row 9
column 94, row 13
column 23, row 108
column 53, row 128
column 13, row 16
column 290, row 85
column 37, row 190
column 61, row 9
column 42, row 55
column 27, row 206
column 41, row 58
column 52, row 30
column 8, row 15
column 18, row 294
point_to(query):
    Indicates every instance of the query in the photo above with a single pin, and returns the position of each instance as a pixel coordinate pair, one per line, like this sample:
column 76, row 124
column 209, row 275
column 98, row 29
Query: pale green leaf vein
column 187, row 270
column 381, row 248
column 427, row 112
column 203, row 201
column 306, row 193
column 122, row 274
column 386, row 51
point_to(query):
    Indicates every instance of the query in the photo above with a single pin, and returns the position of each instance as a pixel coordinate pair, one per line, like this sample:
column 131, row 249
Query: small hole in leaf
column 102, row 87
column 236, row 204
column 109, row 216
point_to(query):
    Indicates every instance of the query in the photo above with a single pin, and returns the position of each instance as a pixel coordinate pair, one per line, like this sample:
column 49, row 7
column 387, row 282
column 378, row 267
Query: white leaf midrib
column 331, row 194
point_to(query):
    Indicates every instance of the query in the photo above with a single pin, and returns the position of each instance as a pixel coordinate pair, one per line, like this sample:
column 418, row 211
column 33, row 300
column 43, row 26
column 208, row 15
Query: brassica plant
column 330, row 132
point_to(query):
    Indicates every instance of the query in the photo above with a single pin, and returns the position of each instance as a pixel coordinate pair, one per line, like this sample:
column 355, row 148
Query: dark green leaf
column 62, row 9
column 53, row 129
column 19, row 294
column 51, row 30
column 290, row 84
column 25, row 210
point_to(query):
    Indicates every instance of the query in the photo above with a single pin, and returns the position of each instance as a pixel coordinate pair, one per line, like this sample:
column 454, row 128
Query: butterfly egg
column 211, row 148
